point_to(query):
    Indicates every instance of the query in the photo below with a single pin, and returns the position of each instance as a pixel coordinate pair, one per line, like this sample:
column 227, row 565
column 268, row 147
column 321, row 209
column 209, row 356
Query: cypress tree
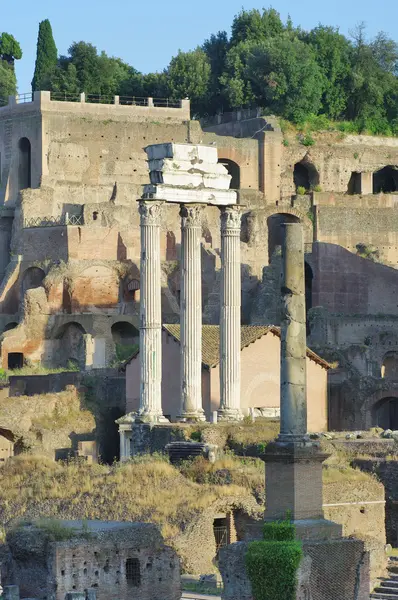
column 46, row 57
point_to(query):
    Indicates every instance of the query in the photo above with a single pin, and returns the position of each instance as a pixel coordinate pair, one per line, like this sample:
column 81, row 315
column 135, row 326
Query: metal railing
column 64, row 97
column 133, row 101
column 166, row 102
column 54, row 221
column 22, row 98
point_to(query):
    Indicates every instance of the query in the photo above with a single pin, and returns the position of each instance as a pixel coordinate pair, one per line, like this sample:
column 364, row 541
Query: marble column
column 293, row 336
column 230, row 309
column 191, row 313
column 150, row 313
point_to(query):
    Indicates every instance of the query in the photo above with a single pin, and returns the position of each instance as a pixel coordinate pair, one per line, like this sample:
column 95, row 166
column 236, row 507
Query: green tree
column 8, row 82
column 10, row 50
column 188, row 75
column 216, row 48
column 280, row 74
column 46, row 56
column 333, row 55
column 252, row 25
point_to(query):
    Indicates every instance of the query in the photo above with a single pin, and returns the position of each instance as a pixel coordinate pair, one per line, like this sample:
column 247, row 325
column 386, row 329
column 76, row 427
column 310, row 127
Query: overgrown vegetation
column 272, row 564
column 316, row 77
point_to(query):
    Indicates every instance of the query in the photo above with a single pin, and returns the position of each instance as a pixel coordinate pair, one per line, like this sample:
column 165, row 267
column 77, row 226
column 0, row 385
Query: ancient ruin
column 294, row 465
column 112, row 559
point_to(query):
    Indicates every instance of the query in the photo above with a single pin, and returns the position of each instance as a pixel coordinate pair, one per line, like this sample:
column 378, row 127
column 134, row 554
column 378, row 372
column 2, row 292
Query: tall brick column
column 191, row 313
column 150, row 313
column 230, row 308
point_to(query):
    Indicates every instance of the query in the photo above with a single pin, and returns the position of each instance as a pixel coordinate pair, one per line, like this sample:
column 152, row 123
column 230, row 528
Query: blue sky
column 146, row 34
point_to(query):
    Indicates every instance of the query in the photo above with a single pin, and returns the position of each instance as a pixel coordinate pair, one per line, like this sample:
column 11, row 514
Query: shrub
column 272, row 569
column 301, row 191
column 317, row 188
column 307, row 140
column 285, row 142
column 3, row 375
column 279, row 531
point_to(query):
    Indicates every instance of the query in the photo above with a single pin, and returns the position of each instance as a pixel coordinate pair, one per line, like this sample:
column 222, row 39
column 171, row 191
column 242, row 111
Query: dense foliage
column 296, row 74
column 272, row 564
column 10, row 50
column 46, row 56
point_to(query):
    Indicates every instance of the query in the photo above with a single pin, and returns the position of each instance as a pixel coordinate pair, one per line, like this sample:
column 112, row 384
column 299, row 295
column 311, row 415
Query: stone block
column 188, row 196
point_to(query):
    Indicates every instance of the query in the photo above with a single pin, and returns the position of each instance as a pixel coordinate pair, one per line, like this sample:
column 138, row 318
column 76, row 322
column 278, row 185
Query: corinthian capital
column 230, row 218
column 150, row 212
column 191, row 215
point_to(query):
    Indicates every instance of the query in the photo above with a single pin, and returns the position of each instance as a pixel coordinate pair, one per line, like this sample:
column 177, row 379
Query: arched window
column 25, row 164
column 72, row 347
column 32, row 278
column 385, row 180
column 389, row 368
column 305, row 175
column 233, row 170
column 385, row 413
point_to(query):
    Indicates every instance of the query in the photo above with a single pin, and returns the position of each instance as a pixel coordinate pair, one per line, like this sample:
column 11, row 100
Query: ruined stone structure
column 69, row 233
column 293, row 476
column 115, row 559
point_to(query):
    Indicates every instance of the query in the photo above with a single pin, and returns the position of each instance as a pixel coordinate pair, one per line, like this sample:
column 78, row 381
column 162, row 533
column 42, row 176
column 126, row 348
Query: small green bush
column 285, row 142
column 279, row 531
column 3, row 375
column 272, row 569
column 317, row 188
column 301, row 191
column 307, row 140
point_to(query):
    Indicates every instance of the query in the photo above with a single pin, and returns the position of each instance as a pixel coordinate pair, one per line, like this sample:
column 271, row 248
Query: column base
column 192, row 417
column 229, row 414
column 151, row 418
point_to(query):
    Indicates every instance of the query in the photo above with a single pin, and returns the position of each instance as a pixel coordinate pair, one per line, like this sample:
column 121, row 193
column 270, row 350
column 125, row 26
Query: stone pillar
column 230, row 308
column 293, row 398
column 366, row 183
column 150, row 313
column 191, row 313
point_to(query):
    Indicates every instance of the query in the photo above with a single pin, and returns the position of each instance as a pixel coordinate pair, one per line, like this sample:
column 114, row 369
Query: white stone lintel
column 181, row 195
column 187, row 152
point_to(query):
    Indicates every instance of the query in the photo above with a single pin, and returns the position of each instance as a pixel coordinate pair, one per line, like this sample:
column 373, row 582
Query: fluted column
column 150, row 313
column 191, row 313
column 230, row 342
column 293, row 336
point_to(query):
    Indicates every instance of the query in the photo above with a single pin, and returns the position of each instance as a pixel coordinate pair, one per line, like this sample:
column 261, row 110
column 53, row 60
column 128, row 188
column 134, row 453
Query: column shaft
column 230, row 309
column 191, row 312
column 150, row 313
column 293, row 335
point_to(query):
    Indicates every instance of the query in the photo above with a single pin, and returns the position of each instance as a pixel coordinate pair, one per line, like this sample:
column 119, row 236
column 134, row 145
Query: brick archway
column 373, row 401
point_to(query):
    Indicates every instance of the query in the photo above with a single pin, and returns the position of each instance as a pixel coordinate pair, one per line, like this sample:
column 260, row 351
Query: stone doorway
column 385, row 413
column 221, row 532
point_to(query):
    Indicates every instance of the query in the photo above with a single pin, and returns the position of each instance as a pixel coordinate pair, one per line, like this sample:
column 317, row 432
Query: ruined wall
column 112, row 558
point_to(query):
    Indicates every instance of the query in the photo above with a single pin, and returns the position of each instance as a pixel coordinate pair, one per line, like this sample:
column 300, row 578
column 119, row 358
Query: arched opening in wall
column 275, row 233
column 221, row 532
column 385, row 413
column 354, row 185
column 32, row 278
column 389, row 367
column 25, row 164
column 233, row 170
column 305, row 175
column 385, row 180
column 309, row 276
column 126, row 339
column 10, row 326
column 131, row 290
column 15, row 360
column 72, row 347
